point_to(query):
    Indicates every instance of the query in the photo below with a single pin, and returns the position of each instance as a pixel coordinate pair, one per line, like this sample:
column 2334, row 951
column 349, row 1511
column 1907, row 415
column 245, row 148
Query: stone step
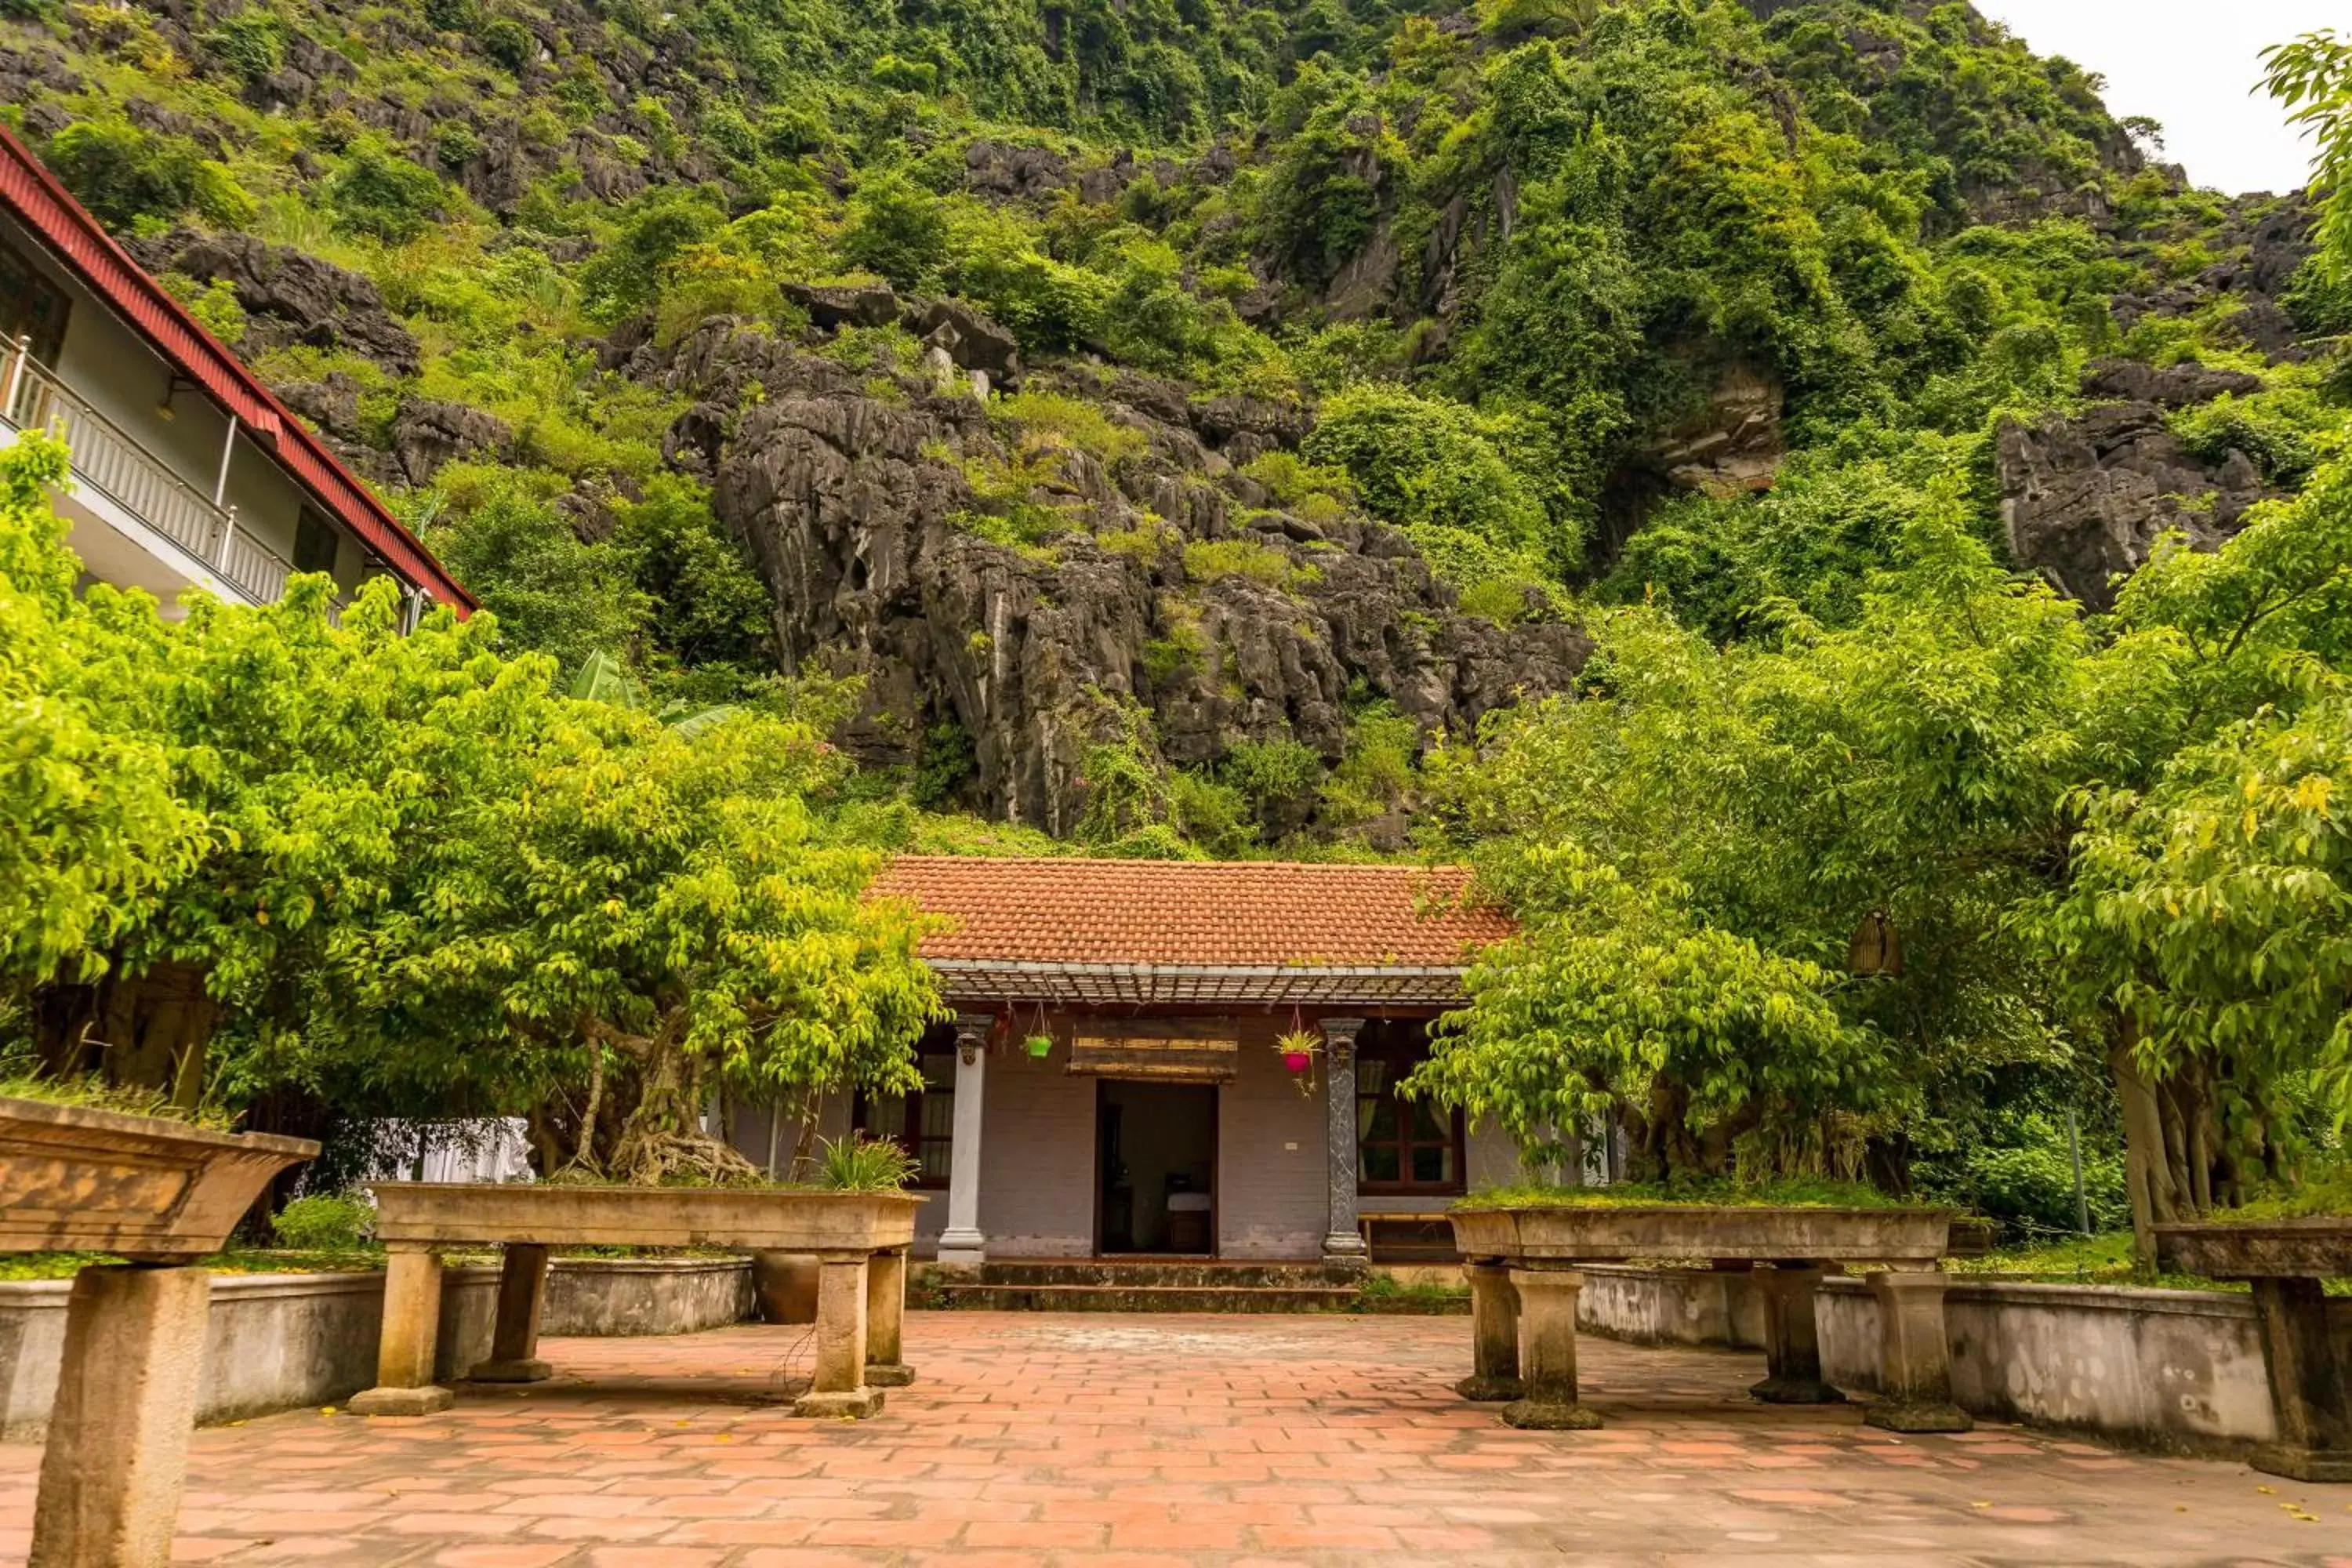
column 1130, row 1297
column 1195, row 1273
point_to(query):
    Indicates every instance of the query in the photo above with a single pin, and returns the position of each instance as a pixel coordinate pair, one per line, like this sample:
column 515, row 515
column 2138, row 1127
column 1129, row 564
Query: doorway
column 1155, row 1168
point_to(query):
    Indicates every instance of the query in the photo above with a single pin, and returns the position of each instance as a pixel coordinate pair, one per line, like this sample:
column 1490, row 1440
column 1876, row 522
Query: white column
column 961, row 1245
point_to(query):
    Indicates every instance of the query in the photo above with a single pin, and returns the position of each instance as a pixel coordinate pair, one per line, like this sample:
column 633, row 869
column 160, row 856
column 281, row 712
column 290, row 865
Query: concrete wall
column 279, row 1342
column 1036, row 1158
column 274, row 1342
column 608, row 1297
column 1273, row 1197
column 2162, row 1368
column 1037, row 1179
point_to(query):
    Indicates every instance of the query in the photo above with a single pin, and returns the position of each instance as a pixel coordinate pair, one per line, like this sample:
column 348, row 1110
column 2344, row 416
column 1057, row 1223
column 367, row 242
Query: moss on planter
column 66, row 1265
column 1798, row 1193
column 2105, row 1260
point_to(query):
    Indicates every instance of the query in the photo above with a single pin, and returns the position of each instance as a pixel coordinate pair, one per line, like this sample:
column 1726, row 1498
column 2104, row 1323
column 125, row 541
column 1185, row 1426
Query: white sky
column 2193, row 66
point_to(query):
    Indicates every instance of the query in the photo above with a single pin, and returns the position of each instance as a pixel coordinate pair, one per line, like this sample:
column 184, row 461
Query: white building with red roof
column 187, row 471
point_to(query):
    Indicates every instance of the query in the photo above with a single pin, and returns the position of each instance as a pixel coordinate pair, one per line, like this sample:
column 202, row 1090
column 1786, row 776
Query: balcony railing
column 114, row 464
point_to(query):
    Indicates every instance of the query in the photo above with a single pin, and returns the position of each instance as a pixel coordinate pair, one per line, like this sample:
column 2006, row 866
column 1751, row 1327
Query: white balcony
column 136, row 522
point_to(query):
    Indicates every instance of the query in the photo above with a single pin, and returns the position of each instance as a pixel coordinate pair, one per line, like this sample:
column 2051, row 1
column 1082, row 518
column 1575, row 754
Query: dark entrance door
column 1156, row 1167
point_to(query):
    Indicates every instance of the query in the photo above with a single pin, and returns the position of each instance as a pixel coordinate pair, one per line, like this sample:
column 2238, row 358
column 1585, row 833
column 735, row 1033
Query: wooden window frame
column 48, row 345
column 1406, row 1051
column 910, row 1136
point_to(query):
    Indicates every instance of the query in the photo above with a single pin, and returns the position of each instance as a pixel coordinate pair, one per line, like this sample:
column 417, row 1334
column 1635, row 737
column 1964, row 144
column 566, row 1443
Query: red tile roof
column 1238, row 914
column 35, row 197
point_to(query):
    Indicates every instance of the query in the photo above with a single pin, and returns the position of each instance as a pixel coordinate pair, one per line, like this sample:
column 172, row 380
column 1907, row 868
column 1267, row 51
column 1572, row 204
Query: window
column 31, row 307
column 315, row 543
column 923, row 1123
column 1402, row 1145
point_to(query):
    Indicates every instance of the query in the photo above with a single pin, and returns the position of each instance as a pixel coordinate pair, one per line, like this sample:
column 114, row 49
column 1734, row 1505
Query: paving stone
column 1181, row 1442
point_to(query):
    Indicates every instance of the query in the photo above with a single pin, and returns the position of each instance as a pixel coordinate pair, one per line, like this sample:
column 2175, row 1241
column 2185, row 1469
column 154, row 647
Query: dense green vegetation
column 404, row 873
column 1853, row 854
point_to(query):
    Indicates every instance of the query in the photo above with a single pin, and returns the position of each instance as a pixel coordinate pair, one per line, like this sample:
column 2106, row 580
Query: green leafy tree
column 90, row 833
column 897, row 229
column 657, row 904
column 2312, row 77
column 1613, row 1005
column 380, row 191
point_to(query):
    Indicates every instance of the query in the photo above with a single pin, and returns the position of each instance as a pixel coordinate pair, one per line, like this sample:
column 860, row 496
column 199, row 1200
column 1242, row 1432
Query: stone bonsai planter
column 145, row 1187
column 1522, row 1264
column 859, row 1240
column 2310, row 1370
column 163, row 1195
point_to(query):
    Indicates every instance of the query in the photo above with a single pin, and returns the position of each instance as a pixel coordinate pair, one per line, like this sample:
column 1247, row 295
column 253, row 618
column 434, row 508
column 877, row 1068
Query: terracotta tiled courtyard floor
column 1181, row 1441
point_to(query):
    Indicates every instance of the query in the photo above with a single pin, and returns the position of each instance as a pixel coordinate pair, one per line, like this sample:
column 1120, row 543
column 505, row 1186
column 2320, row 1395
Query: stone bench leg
column 118, row 1443
column 2311, row 1383
column 1494, row 1336
column 1915, row 1358
column 840, row 1387
column 412, row 1331
column 1792, row 1346
column 1548, row 1353
column 885, row 1312
column 522, row 1302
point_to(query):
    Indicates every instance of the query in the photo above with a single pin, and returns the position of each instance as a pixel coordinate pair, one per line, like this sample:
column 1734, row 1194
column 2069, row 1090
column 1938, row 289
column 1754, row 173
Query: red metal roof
column 1261, row 915
column 35, row 197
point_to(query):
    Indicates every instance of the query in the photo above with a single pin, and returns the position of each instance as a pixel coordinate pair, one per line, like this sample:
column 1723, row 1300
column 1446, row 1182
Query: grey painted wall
column 1275, row 1198
column 273, row 1342
column 2165, row 1369
column 279, row 1342
column 1038, row 1181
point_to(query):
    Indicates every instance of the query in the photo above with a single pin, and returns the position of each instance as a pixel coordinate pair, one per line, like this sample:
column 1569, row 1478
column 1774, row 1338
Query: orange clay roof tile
column 1255, row 914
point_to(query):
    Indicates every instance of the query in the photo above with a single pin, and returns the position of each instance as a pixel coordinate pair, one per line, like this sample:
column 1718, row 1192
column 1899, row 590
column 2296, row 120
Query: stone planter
column 609, row 1298
column 2309, row 1368
column 859, row 1239
column 162, row 1193
column 142, row 1187
column 1524, row 1283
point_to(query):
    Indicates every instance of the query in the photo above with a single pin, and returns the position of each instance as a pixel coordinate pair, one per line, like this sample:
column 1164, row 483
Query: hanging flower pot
column 1298, row 1049
column 1040, row 1046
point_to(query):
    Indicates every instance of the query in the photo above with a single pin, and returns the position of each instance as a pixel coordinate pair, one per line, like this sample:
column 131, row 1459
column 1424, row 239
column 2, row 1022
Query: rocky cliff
column 1164, row 584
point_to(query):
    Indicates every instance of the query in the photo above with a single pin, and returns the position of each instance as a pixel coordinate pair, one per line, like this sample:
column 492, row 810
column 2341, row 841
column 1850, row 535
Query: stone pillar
column 1343, row 1243
column 839, row 1387
column 886, row 1307
column 2311, row 1383
column 118, row 1444
column 1548, row 1353
column 1915, row 1358
column 1792, row 1346
column 962, row 1247
column 1494, row 1336
column 412, row 1329
column 522, row 1296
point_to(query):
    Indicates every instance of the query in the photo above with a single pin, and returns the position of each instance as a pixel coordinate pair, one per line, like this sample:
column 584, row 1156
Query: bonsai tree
column 653, row 914
column 1613, row 1004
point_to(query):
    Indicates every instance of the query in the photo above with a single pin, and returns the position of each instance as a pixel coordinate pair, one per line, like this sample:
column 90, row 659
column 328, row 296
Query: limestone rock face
column 858, row 513
column 426, row 433
column 288, row 297
column 2084, row 499
column 1733, row 445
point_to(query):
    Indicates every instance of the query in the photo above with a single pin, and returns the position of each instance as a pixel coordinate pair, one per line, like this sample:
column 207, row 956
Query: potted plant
column 1299, row 1047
